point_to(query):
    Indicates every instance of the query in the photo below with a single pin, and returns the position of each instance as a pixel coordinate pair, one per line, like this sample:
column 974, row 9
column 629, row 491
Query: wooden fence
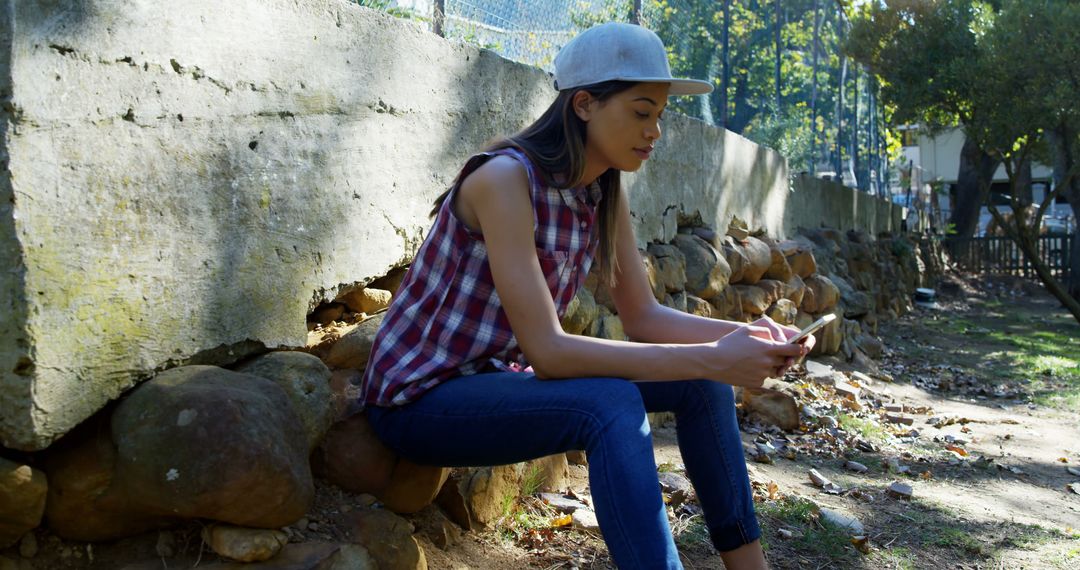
column 996, row 254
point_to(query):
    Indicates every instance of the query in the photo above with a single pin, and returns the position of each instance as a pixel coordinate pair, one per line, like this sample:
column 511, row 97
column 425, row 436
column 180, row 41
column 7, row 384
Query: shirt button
column 583, row 224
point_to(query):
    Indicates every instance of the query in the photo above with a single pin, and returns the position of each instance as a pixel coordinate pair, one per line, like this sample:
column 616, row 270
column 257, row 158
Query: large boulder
column 580, row 313
column 670, row 266
column 698, row 306
column 783, row 311
column 306, row 381
column 388, row 538
column 736, row 258
column 192, row 442
column 794, row 290
column 366, row 300
column 753, row 300
column 22, row 500
column 821, row 294
column 772, row 407
column 800, row 256
column 778, row 267
column 759, row 259
column 728, row 304
column 707, row 272
column 652, row 272
column 352, row 457
column 353, row 349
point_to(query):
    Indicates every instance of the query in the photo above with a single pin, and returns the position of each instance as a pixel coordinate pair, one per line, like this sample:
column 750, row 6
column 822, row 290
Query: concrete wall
column 187, row 180
column 815, row 203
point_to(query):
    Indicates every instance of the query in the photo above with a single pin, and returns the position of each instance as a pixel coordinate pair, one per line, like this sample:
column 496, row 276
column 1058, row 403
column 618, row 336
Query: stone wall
column 169, row 201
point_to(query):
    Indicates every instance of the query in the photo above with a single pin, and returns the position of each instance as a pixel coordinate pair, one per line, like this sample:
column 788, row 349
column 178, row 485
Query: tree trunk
column 976, row 172
column 1065, row 157
column 813, row 92
column 776, row 40
column 725, row 82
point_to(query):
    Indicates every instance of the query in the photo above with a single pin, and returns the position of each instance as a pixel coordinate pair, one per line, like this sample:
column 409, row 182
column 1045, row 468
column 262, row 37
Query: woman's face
column 621, row 130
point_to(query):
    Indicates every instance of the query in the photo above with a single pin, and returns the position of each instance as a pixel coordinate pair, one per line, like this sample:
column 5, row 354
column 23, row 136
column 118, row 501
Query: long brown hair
column 555, row 143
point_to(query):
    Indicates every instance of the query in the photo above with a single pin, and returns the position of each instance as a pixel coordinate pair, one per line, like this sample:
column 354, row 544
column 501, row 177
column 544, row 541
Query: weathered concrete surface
column 815, row 203
column 190, row 176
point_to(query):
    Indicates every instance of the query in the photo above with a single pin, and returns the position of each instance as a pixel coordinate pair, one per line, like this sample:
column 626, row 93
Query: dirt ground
column 990, row 379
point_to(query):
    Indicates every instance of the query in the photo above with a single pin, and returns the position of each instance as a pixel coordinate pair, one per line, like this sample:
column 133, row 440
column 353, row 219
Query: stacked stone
column 240, row 448
column 742, row 276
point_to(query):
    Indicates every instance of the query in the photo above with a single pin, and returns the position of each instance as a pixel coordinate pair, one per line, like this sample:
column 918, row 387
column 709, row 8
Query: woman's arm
column 496, row 197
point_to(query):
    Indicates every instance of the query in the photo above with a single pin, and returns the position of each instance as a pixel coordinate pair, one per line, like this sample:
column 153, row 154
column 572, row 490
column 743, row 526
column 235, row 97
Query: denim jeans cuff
column 741, row 533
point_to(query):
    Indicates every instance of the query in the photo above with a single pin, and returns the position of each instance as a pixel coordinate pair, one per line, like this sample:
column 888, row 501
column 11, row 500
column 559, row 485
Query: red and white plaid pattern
column 447, row 320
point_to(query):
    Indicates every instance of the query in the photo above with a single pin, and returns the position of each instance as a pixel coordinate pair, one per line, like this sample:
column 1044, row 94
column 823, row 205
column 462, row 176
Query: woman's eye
column 642, row 115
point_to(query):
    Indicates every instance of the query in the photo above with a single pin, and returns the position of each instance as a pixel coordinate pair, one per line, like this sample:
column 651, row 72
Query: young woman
column 447, row 382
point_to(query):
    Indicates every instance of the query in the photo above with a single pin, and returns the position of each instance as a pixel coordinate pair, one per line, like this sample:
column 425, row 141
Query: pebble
column 849, row 524
column 900, row 490
column 28, row 546
column 1073, row 471
column 856, row 467
column 818, row 479
column 829, row 422
column 584, row 518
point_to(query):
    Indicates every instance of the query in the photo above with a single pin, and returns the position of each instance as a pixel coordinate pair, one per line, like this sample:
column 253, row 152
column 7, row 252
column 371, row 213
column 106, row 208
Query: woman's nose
column 653, row 133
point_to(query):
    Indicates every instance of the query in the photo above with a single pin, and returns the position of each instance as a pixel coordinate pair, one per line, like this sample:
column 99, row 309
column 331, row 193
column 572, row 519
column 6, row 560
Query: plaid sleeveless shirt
column 446, row 319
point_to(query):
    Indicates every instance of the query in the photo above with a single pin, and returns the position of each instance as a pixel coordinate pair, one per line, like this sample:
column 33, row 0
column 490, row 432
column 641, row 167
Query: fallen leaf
column 861, row 543
column 926, row 475
column 562, row 521
column 958, row 450
column 774, row 490
column 1063, row 459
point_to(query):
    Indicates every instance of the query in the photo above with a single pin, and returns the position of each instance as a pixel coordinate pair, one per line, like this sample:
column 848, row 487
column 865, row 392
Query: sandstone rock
column 487, row 488
column 354, row 347
column 899, row 490
column 778, row 267
column 652, row 272
column 707, row 272
column 772, row 407
column 707, row 234
column 28, row 546
column 855, row 303
column 759, row 258
column 698, row 306
column 728, row 304
column 391, row 281
column 80, row 504
column 794, row 290
column 670, row 266
column 581, row 312
column 204, row 442
column 610, row 327
column 412, row 487
column 736, row 258
column 244, row 544
column 738, row 229
column 367, row 300
column 193, row 442
column 22, row 500
column 577, row 457
column 552, row 471
column 821, row 295
column 599, row 288
column 352, row 457
column 389, row 540
column 774, row 290
column 754, row 300
column 344, row 393
column 870, row 345
column 676, row 301
column 800, row 257
column 783, row 311
column 452, row 502
column 306, row 381
column 327, row 313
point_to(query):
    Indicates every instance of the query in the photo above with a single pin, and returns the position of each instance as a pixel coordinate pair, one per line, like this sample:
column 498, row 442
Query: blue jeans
column 507, row 417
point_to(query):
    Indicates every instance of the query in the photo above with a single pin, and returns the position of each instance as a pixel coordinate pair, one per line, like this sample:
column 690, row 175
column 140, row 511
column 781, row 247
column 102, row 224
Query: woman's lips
column 643, row 153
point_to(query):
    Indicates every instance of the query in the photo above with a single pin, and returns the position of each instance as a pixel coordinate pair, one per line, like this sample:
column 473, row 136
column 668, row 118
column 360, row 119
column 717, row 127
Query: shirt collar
column 589, row 195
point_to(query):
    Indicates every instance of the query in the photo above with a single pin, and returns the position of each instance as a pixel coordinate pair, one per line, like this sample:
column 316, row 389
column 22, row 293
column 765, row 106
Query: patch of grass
column 958, row 539
column 665, row 467
column 900, row 558
column 532, row 481
column 692, row 533
column 800, row 515
column 867, row 429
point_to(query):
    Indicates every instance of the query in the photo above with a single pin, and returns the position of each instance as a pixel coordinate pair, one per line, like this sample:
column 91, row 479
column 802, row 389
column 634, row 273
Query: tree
column 921, row 52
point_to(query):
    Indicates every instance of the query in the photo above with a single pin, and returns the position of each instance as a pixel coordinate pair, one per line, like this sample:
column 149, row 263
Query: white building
column 936, row 161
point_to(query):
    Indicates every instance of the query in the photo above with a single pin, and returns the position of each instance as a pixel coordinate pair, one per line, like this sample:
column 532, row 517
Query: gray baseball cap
column 623, row 52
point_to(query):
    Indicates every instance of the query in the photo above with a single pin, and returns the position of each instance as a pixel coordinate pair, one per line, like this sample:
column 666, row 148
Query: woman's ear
column 583, row 104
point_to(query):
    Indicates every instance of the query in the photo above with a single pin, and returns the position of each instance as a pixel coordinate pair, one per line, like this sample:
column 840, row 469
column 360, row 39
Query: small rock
column 899, row 490
column 818, row 479
column 785, row 533
column 562, row 504
column 899, row 419
column 828, row 422
column 1073, row 471
column 22, row 500
column 847, row 390
column 856, row 467
column 244, row 544
column 584, row 518
column 895, row 408
column 577, row 457
column 388, row 538
column 848, row 524
column 28, row 546
column 677, row 486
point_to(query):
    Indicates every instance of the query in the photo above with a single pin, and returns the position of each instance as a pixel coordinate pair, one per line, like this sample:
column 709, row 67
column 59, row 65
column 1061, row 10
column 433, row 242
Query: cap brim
column 678, row 86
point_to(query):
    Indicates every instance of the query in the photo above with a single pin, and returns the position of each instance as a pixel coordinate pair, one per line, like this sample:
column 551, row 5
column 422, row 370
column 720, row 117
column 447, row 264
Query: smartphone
column 812, row 327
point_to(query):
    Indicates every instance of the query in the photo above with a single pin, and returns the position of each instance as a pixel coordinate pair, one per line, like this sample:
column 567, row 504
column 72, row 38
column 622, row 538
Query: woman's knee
column 616, row 405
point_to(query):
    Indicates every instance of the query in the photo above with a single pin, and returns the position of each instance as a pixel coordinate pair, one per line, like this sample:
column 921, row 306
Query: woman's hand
column 750, row 354
column 783, row 333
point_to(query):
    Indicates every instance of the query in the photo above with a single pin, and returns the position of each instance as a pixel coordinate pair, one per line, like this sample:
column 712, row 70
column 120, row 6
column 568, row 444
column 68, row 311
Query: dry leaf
column 861, row 543
column 958, row 450
column 562, row 521
column 926, row 475
column 774, row 491
column 1063, row 459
